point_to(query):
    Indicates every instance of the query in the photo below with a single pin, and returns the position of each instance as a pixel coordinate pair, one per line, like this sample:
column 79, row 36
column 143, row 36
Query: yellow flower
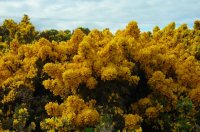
column 195, row 95
column 88, row 117
column 132, row 121
column 53, row 109
column 71, row 116
column 71, row 74
column 1, row 112
column 109, row 73
column 44, row 52
column 144, row 102
column 15, row 122
column 152, row 112
column 118, row 110
column 91, row 83
column 33, row 125
column 23, row 111
column 10, row 97
column 134, row 80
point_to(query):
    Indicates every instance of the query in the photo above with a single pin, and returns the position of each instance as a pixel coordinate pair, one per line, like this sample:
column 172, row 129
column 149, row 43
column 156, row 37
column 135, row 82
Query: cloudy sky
column 100, row 14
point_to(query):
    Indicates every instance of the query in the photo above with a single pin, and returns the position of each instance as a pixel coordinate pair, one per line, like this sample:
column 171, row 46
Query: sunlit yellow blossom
column 74, row 112
column 88, row 117
column 53, row 109
column 10, row 97
column 109, row 73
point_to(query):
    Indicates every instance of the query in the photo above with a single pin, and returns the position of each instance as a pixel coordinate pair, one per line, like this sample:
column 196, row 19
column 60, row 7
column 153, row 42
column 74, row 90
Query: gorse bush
column 99, row 81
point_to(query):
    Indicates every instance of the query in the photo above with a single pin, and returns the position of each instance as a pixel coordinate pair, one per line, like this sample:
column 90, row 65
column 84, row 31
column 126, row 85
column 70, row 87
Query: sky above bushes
column 100, row 14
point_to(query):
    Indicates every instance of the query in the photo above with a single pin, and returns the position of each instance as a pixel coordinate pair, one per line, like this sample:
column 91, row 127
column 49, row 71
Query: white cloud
column 114, row 14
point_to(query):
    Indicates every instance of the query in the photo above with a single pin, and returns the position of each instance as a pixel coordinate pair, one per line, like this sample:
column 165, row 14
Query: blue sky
column 100, row 14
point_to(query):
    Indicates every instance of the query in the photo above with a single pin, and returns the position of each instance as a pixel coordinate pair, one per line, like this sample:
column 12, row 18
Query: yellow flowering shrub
column 97, row 80
column 52, row 124
column 20, row 120
column 74, row 112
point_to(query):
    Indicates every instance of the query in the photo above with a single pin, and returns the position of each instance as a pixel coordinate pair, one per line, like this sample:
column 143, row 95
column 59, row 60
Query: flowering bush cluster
column 97, row 81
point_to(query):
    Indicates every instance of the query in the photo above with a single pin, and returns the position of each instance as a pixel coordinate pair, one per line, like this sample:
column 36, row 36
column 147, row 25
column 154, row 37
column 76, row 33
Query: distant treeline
column 25, row 32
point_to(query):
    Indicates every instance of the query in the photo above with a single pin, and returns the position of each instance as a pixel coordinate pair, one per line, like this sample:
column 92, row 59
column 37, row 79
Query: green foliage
column 89, row 129
column 180, row 119
column 85, row 30
column 55, row 35
column 105, row 123
column 184, row 120
column 197, row 25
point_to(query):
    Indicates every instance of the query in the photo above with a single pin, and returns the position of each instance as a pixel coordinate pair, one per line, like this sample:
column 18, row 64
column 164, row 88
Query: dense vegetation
column 98, row 81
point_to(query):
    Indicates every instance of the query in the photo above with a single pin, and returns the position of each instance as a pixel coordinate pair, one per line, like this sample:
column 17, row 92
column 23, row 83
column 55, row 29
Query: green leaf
column 89, row 129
